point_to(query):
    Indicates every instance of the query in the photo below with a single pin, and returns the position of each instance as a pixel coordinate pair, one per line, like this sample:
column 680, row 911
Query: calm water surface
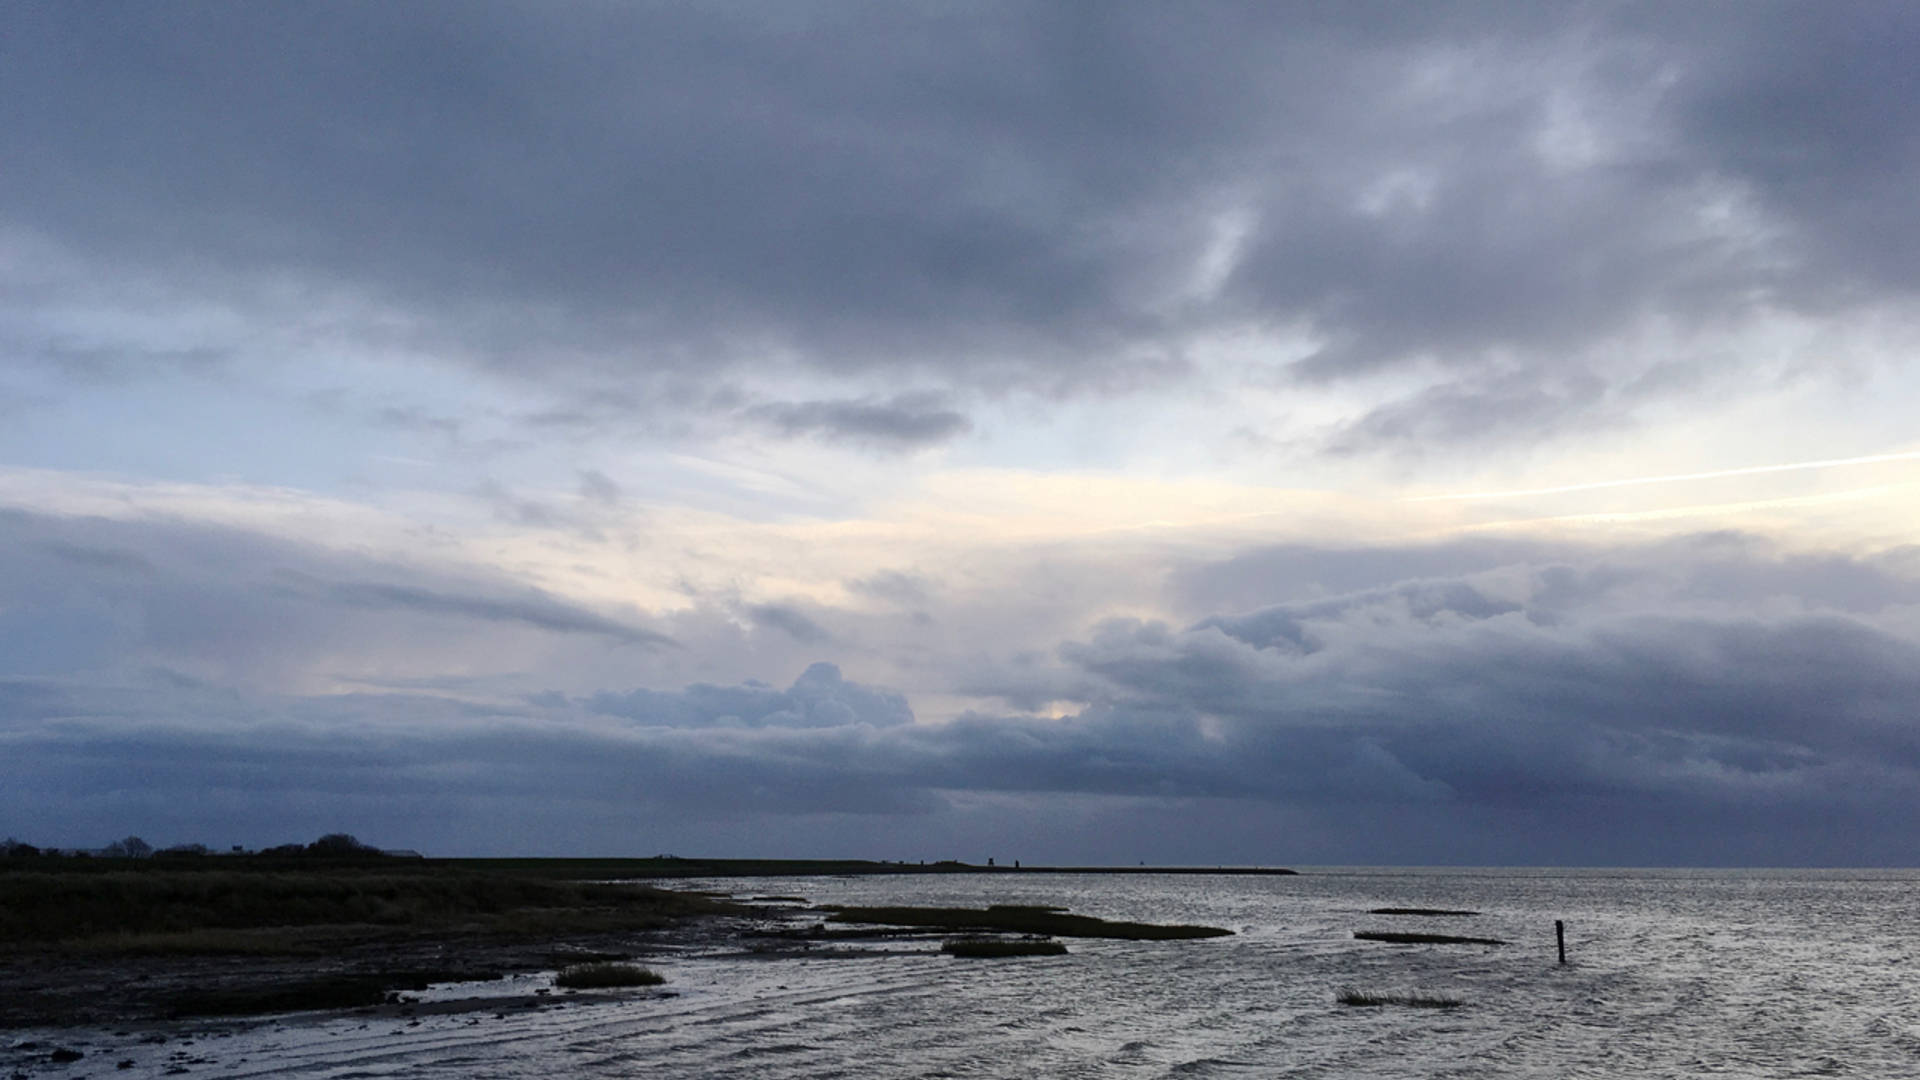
column 1672, row 973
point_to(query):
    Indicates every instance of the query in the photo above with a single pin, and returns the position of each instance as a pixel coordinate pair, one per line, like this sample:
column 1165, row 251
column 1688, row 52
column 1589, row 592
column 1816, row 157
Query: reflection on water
column 1757, row 973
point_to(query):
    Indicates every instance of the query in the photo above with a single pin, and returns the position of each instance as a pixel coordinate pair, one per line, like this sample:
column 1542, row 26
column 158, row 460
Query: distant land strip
column 672, row 866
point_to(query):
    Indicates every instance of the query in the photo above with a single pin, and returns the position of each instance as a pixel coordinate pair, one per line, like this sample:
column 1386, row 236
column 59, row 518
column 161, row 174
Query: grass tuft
column 1399, row 938
column 988, row 948
column 1349, row 996
column 606, row 976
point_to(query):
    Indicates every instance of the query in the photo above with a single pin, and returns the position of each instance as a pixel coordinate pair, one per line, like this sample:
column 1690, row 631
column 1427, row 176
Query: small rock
column 64, row 1055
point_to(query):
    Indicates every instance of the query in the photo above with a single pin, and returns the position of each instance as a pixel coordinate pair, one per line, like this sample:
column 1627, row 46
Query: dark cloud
column 93, row 598
column 598, row 487
column 1813, row 111
column 98, row 558
column 1030, row 196
column 1288, row 626
column 820, row 697
column 121, row 363
column 790, row 621
column 416, row 419
column 1712, row 674
column 519, row 511
column 905, row 422
column 1512, row 407
column 535, row 610
column 896, row 587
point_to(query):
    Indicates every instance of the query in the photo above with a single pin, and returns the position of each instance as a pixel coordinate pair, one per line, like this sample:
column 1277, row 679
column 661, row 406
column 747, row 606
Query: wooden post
column 1560, row 936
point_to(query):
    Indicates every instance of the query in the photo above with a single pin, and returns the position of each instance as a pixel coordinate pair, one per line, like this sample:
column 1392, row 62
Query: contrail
column 1903, row 456
column 1704, row 510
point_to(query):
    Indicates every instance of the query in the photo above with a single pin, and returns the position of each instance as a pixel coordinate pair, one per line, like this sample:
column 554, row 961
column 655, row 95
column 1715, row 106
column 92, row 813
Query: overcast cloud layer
column 951, row 198
column 928, row 431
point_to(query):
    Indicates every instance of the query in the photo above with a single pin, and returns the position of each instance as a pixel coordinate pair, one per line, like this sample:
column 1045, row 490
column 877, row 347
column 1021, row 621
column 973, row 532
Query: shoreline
column 161, row 983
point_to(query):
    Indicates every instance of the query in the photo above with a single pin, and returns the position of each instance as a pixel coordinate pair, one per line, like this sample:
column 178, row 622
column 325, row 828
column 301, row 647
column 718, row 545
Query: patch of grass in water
column 1349, row 996
column 1418, row 911
column 990, row 948
column 1038, row 921
column 1400, row 938
column 606, row 976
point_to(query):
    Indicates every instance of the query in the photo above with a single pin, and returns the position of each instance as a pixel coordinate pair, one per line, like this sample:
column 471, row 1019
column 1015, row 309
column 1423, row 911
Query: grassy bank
column 606, row 976
column 1399, row 938
column 981, row 948
column 1365, row 1000
column 160, row 906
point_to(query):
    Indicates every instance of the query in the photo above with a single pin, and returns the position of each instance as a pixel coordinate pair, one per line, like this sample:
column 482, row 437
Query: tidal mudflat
column 1750, row 973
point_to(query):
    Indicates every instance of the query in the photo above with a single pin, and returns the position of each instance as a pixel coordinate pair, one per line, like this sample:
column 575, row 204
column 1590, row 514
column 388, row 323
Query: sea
column 1668, row 973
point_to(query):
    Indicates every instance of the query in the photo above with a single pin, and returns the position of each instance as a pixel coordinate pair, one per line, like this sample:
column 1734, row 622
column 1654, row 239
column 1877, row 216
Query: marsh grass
column 1037, row 921
column 160, row 908
column 994, row 948
column 1349, row 996
column 606, row 976
column 209, row 942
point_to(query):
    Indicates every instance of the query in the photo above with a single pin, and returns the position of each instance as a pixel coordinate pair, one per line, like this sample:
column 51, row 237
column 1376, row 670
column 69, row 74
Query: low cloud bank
column 1707, row 701
column 819, row 698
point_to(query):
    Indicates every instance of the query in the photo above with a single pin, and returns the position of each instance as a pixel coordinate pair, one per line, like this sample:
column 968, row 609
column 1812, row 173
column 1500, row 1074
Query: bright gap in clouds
column 1871, row 459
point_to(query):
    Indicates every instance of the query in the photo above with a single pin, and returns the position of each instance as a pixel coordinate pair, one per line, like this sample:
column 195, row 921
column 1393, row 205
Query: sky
column 1184, row 433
